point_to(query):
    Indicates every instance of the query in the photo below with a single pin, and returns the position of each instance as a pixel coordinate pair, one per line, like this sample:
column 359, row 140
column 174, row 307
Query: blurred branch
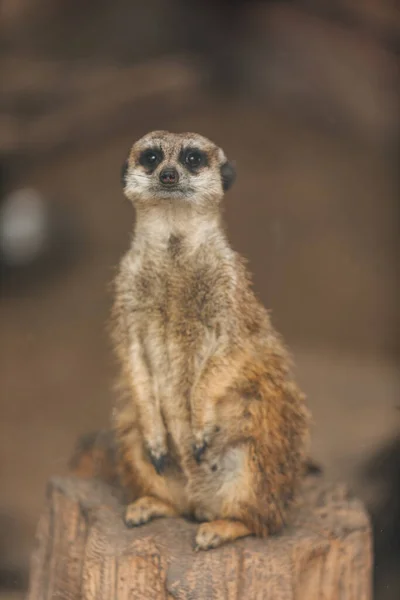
column 48, row 105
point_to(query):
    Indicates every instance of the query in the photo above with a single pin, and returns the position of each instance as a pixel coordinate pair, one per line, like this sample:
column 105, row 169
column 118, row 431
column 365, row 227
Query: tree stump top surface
column 85, row 551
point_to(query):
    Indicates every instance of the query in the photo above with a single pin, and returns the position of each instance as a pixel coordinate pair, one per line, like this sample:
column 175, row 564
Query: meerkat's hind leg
column 215, row 533
column 147, row 508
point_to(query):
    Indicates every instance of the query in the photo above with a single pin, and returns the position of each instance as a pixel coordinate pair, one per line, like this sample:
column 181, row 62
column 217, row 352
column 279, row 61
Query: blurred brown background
column 304, row 96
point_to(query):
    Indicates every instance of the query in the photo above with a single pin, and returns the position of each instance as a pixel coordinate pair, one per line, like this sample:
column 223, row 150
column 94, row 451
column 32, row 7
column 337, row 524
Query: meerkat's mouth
column 177, row 191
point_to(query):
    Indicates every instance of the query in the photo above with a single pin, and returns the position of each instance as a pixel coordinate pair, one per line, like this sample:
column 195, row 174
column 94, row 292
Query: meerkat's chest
column 181, row 298
column 177, row 312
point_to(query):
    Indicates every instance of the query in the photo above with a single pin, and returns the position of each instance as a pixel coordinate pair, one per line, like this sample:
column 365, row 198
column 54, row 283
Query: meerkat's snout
column 169, row 176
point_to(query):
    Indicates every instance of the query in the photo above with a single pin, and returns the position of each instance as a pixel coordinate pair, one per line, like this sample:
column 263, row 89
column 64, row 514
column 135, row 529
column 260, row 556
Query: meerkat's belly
column 175, row 360
column 176, row 349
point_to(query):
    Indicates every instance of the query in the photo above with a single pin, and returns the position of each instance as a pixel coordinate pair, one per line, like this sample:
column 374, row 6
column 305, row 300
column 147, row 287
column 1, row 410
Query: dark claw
column 131, row 524
column 158, row 462
column 198, row 452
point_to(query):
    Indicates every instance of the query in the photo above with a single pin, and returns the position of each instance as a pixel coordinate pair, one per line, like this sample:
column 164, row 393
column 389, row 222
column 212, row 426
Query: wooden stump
column 84, row 551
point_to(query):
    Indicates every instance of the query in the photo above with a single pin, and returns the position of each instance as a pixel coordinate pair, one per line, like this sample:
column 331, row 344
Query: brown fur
column 207, row 397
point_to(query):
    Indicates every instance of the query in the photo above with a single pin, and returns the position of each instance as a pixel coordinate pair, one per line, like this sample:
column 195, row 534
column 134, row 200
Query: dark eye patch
column 151, row 158
column 193, row 159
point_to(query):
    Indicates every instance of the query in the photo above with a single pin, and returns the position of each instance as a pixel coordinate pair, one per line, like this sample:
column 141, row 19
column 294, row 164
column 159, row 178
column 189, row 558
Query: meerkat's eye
column 193, row 159
column 150, row 158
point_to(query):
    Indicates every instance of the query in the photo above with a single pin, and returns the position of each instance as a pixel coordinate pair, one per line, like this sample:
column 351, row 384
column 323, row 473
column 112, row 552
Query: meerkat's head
column 186, row 168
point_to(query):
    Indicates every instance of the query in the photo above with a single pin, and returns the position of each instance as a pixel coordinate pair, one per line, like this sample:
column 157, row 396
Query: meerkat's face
column 184, row 167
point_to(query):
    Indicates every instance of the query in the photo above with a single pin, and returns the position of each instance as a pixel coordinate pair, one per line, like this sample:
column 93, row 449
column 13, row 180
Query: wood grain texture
column 84, row 551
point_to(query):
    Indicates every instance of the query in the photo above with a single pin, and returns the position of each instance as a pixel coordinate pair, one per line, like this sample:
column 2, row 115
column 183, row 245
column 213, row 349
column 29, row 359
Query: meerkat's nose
column 169, row 176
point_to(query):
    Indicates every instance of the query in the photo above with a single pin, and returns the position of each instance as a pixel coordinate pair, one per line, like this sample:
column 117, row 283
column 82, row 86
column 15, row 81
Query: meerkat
column 209, row 421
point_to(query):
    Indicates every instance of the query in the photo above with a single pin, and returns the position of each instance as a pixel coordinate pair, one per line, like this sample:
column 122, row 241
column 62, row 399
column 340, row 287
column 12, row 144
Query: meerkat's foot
column 215, row 533
column 145, row 509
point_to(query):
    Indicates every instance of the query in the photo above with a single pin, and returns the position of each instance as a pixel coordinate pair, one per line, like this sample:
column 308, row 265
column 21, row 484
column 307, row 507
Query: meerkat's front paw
column 158, row 455
column 159, row 462
column 202, row 441
column 199, row 449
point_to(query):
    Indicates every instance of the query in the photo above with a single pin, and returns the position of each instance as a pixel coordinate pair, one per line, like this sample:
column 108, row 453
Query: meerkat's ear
column 124, row 171
column 228, row 175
